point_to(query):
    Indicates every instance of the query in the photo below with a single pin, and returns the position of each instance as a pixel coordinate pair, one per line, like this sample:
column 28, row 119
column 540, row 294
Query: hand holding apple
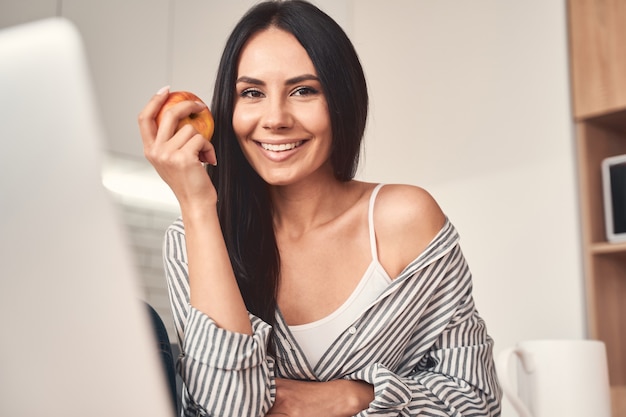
column 201, row 121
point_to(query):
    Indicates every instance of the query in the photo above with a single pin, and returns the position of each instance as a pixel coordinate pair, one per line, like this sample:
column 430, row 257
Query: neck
column 303, row 207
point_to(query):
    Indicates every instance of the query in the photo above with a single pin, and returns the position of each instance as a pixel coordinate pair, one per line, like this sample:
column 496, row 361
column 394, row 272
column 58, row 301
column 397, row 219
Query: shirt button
column 352, row 330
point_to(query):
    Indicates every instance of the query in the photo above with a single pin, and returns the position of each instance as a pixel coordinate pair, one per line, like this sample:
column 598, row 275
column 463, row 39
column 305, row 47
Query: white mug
column 557, row 378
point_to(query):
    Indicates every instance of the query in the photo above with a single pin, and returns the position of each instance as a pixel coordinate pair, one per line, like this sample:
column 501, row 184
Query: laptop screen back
column 75, row 337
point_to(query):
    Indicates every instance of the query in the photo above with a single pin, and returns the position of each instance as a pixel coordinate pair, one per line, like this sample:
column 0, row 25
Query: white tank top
column 315, row 338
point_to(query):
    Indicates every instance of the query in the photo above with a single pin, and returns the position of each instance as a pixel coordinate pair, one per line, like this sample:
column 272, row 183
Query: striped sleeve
column 446, row 368
column 224, row 373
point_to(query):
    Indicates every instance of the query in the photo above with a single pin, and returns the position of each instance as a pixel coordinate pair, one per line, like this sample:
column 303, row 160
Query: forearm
column 212, row 356
column 213, row 287
column 336, row 398
column 355, row 396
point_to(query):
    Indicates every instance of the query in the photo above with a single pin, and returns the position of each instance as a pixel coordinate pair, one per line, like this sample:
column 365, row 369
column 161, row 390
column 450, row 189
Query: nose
column 277, row 115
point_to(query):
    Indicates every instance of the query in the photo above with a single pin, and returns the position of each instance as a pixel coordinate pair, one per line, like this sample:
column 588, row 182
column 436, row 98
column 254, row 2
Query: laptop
column 76, row 338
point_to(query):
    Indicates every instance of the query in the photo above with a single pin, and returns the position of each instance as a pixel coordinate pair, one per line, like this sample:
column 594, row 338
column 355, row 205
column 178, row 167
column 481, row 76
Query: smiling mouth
column 281, row 147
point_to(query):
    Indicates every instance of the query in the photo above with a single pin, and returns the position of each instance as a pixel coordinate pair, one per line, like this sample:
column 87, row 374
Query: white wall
column 468, row 99
column 471, row 100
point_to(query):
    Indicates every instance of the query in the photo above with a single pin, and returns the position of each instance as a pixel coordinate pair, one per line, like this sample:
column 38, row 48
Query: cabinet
column 597, row 39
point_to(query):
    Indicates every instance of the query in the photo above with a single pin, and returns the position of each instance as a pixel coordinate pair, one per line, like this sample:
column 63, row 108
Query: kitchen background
column 470, row 100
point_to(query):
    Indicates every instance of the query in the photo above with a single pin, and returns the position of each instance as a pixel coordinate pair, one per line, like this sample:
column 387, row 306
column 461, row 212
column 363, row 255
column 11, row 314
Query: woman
column 297, row 290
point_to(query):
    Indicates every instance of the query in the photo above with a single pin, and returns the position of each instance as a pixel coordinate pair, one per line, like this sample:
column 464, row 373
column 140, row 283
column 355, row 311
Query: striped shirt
column 421, row 344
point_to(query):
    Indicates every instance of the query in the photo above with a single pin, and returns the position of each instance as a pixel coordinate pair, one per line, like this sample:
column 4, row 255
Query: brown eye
column 251, row 93
column 304, row 91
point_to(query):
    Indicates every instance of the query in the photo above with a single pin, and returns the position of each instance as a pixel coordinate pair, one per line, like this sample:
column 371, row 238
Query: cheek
column 243, row 124
column 321, row 125
column 316, row 119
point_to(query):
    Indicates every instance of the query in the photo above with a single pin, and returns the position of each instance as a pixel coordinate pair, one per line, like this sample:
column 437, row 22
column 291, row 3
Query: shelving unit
column 597, row 35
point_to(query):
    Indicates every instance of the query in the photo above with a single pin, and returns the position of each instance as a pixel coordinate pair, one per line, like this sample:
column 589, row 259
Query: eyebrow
column 290, row 81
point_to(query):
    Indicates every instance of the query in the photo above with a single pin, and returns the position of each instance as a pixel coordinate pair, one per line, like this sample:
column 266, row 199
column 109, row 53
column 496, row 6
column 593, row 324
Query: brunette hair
column 244, row 205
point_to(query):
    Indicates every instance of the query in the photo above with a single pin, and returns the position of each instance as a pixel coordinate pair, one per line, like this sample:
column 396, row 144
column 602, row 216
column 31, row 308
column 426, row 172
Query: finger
column 204, row 149
column 179, row 139
column 189, row 144
column 147, row 124
column 182, row 138
column 209, row 156
column 171, row 117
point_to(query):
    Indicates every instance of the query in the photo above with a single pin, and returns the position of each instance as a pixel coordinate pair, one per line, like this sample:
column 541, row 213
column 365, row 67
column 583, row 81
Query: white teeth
column 281, row 147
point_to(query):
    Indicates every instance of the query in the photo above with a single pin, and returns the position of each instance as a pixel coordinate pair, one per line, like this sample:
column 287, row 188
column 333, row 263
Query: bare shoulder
column 408, row 205
column 406, row 219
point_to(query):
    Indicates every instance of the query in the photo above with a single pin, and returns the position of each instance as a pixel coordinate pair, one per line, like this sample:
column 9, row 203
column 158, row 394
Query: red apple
column 201, row 121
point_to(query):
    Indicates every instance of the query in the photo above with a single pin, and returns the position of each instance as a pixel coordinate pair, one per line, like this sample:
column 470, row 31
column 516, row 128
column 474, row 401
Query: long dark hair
column 244, row 205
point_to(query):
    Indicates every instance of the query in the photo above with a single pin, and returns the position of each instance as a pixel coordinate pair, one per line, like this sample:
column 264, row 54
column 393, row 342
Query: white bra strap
column 370, row 219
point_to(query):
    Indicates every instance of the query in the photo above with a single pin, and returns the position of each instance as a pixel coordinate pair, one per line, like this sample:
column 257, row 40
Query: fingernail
column 163, row 90
column 201, row 103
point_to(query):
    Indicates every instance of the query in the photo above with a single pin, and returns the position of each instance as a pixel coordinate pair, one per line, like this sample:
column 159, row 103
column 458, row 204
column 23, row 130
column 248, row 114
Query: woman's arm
column 177, row 156
column 224, row 364
column 338, row 398
column 225, row 373
column 213, row 287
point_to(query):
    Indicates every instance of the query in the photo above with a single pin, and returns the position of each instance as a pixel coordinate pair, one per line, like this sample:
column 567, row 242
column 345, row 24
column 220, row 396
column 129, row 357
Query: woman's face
column 281, row 116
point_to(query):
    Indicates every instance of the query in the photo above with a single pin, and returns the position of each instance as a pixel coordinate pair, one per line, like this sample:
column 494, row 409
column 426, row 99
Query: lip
column 279, row 151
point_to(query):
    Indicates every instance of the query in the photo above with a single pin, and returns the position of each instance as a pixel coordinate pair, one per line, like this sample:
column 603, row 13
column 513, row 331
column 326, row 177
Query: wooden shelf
column 605, row 248
column 618, row 400
column 614, row 121
column 598, row 55
column 597, row 37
